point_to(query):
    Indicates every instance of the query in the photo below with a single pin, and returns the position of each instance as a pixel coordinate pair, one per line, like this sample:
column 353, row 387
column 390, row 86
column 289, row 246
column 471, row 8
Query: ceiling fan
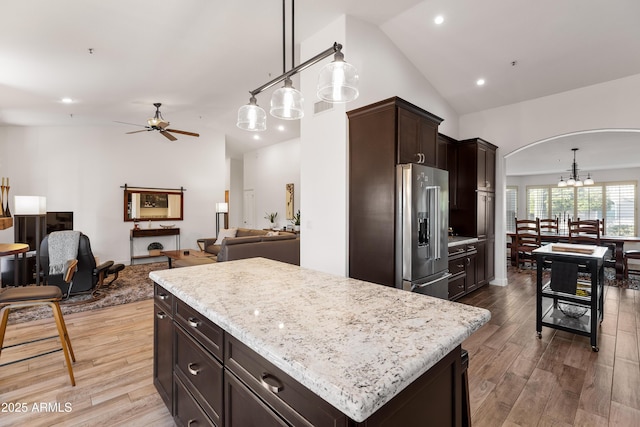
column 157, row 122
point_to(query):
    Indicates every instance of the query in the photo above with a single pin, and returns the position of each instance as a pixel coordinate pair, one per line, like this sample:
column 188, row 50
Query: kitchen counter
column 461, row 240
column 354, row 344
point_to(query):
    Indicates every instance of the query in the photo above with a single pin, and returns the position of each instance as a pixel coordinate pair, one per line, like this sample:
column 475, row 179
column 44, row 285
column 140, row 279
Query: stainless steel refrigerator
column 422, row 222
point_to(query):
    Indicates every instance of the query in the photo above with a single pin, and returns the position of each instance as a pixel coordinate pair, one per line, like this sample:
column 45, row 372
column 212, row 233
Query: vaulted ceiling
column 115, row 58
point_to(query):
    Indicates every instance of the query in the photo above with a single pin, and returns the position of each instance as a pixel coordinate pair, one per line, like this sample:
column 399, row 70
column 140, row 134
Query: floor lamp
column 221, row 209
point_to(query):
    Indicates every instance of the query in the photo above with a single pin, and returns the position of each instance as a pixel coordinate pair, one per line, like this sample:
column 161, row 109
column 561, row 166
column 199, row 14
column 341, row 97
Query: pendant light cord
column 284, row 36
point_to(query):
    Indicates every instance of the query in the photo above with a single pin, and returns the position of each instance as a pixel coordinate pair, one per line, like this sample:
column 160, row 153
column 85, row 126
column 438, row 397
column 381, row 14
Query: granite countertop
column 353, row 343
column 461, row 240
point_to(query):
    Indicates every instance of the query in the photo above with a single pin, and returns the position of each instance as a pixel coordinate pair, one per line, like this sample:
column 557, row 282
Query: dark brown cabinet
column 163, row 344
column 244, row 389
column 463, row 268
column 472, row 211
column 382, row 135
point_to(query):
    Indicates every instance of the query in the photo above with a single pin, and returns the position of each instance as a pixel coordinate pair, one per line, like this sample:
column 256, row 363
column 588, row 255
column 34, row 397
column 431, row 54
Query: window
column 512, row 208
column 614, row 203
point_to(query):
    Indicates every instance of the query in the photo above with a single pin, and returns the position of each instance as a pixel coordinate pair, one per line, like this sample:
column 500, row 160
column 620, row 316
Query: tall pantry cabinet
column 472, row 204
column 381, row 135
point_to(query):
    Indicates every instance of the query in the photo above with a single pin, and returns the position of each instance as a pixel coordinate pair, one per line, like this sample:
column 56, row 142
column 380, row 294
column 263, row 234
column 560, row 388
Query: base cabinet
column 215, row 380
column 463, row 267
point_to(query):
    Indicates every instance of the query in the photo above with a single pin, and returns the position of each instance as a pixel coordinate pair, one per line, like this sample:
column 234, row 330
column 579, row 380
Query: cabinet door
column 442, row 153
column 408, row 137
column 490, row 213
column 481, row 263
column 428, row 142
column 481, row 211
column 471, row 268
column 163, row 355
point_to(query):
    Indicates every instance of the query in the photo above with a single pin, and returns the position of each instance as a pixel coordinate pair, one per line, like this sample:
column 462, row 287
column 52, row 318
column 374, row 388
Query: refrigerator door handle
column 422, row 285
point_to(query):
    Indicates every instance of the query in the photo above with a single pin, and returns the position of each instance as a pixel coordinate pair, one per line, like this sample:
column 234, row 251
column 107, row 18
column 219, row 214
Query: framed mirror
column 153, row 204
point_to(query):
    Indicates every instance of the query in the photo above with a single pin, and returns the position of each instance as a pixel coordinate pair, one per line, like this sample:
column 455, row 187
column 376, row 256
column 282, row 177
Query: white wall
column 81, row 169
column 266, row 172
column 384, row 72
column 235, row 184
column 609, row 105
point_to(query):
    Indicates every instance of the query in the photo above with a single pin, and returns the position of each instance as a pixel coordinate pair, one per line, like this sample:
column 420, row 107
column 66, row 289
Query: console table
column 151, row 232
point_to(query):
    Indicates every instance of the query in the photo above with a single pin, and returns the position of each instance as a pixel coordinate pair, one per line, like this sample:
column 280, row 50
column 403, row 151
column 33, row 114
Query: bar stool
column 39, row 295
column 630, row 254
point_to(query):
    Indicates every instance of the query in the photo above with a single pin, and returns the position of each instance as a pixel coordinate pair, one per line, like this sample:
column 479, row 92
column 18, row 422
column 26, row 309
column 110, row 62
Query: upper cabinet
column 477, row 164
column 417, row 135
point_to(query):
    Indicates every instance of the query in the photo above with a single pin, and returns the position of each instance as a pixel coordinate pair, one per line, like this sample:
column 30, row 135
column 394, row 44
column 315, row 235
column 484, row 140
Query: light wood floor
column 113, row 372
column 515, row 378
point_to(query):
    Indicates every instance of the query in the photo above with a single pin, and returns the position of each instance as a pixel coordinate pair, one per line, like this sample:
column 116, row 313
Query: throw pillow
column 225, row 232
column 272, row 233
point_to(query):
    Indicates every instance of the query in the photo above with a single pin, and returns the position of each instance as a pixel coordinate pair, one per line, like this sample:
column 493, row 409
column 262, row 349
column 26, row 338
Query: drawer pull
column 193, row 368
column 460, row 265
column 192, row 423
column 163, row 296
column 193, row 322
column 275, row 387
column 161, row 315
column 471, row 248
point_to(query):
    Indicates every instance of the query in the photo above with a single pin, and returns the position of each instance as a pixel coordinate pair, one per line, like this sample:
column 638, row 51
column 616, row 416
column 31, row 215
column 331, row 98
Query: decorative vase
column 272, row 225
column 296, row 228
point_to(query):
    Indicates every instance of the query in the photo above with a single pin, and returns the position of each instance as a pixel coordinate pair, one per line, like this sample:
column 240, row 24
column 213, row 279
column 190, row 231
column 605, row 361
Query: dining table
column 615, row 242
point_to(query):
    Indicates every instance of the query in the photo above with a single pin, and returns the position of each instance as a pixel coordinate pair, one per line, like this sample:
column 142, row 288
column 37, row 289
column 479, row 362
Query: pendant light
column 286, row 102
column 251, row 117
column 337, row 83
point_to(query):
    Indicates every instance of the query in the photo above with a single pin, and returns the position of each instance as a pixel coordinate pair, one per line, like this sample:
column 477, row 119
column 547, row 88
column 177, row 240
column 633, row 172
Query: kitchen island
column 356, row 346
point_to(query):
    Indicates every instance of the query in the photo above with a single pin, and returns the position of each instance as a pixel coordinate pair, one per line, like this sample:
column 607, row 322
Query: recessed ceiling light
column 480, row 82
column 256, row 137
column 281, row 127
column 67, row 100
column 438, row 19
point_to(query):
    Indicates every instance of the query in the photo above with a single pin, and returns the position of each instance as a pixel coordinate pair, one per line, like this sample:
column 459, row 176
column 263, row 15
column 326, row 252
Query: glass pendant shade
column 578, row 183
column 571, row 181
column 588, row 181
column 338, row 81
column 562, row 183
column 286, row 102
column 251, row 117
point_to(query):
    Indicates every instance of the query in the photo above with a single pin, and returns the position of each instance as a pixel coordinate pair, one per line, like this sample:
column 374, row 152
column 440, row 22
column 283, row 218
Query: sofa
column 250, row 243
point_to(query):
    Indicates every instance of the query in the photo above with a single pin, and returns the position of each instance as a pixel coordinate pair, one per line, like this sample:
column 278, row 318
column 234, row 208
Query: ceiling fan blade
column 127, row 123
column 183, row 132
column 137, row 131
column 168, row 135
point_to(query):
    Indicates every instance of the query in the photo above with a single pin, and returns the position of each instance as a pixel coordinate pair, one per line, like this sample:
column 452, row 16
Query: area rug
column 133, row 284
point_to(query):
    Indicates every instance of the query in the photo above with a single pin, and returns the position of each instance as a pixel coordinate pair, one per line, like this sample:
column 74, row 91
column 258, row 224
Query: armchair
column 89, row 277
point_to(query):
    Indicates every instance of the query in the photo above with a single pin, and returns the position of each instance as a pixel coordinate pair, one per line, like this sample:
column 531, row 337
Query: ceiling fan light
column 286, row 102
column 251, row 117
column 338, row 81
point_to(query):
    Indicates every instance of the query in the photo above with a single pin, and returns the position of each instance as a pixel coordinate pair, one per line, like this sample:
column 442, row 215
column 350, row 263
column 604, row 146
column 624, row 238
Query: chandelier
column 337, row 83
column 574, row 177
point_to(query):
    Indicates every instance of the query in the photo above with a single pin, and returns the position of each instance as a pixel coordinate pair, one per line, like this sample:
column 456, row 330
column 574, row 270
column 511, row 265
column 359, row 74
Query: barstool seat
column 630, row 254
column 28, row 296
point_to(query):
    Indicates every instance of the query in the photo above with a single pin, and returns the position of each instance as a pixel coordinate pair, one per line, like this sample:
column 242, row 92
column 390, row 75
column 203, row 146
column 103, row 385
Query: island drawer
column 201, row 373
column 208, row 334
column 278, row 390
column 187, row 411
column 163, row 298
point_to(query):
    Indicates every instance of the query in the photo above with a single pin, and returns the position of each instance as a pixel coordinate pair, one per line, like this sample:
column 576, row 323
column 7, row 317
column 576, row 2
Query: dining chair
column 586, row 231
column 549, row 225
column 527, row 239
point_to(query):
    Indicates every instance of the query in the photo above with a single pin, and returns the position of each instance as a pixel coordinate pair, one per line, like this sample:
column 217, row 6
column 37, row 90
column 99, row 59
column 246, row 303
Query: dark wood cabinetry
column 382, row 135
column 463, row 267
column 243, row 388
column 163, row 344
column 472, row 211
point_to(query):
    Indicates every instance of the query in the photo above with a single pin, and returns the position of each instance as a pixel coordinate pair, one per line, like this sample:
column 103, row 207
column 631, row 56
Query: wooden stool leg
column 4, row 314
column 64, row 338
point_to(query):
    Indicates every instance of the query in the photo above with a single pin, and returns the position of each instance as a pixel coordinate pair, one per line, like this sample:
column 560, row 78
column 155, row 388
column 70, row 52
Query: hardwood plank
column 528, row 408
column 565, row 396
column 595, row 398
column 622, row 415
column 626, row 377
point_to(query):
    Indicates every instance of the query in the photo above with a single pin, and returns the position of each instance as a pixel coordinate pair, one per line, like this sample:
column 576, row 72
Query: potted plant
column 154, row 248
column 296, row 221
column 272, row 218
